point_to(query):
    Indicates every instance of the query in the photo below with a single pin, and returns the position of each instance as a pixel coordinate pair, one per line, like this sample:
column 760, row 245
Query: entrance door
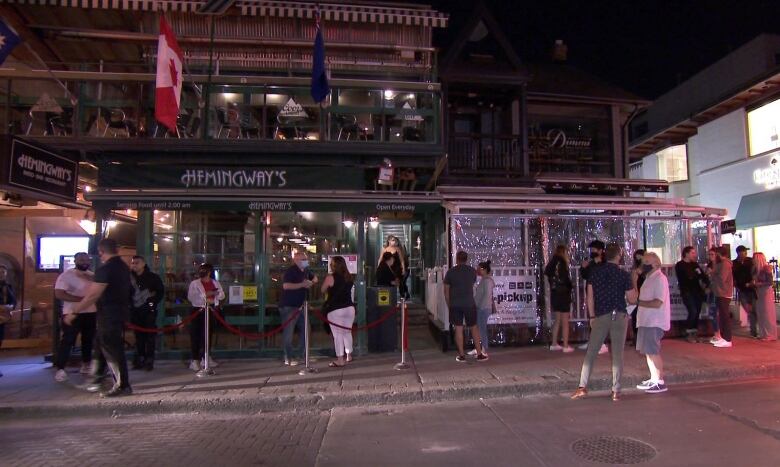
column 409, row 244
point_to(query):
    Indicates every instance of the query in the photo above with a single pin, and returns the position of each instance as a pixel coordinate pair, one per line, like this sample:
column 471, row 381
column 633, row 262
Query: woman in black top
column 385, row 275
column 638, row 278
column 340, row 309
column 557, row 273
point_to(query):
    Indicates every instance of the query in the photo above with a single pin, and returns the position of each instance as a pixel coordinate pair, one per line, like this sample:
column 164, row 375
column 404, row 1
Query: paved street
column 695, row 425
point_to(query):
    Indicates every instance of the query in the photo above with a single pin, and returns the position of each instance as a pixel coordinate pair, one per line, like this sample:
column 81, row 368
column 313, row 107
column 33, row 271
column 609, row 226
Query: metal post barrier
column 306, row 368
column 206, row 370
column 403, row 365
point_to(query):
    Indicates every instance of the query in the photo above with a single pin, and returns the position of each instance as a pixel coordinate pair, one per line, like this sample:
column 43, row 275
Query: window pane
column 763, row 124
column 673, row 163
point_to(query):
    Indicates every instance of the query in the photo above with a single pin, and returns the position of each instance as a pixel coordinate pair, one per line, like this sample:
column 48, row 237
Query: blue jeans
column 287, row 335
column 692, row 304
column 482, row 321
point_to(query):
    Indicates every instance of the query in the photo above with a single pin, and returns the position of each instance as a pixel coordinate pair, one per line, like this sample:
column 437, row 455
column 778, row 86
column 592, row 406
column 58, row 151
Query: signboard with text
column 514, row 296
column 34, row 169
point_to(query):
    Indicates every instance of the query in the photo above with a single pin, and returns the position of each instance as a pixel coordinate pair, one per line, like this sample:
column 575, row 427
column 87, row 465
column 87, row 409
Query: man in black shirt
column 743, row 282
column 692, row 281
column 111, row 290
column 596, row 248
column 385, row 277
column 609, row 289
column 148, row 292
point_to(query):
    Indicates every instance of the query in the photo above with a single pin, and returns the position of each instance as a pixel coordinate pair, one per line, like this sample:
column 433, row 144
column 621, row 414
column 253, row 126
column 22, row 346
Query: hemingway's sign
column 229, row 178
column 35, row 169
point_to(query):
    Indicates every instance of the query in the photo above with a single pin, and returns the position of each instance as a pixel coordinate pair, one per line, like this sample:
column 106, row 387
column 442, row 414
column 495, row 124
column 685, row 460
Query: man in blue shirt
column 609, row 288
column 297, row 280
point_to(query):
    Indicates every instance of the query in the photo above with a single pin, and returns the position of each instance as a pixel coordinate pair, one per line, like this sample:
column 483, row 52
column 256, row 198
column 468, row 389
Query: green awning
column 759, row 210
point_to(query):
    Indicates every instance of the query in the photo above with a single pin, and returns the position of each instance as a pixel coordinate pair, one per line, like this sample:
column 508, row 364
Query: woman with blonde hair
column 765, row 304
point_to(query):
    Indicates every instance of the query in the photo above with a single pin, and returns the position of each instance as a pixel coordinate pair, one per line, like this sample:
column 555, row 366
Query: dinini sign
column 769, row 177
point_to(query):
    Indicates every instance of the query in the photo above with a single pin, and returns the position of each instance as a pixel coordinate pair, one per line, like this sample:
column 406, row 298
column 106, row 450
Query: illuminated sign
column 768, row 177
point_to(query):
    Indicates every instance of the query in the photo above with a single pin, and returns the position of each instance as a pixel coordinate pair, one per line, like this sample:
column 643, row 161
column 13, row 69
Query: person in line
column 722, row 284
column 486, row 306
column 746, row 291
column 559, row 281
column 296, row 281
column 70, row 288
column 609, row 289
column 765, row 302
column 459, row 296
column 394, row 247
column 692, row 282
column 340, row 309
column 637, row 278
column 595, row 261
column 385, row 277
column 654, row 319
column 203, row 290
column 7, row 303
column 712, row 307
column 111, row 291
column 148, row 292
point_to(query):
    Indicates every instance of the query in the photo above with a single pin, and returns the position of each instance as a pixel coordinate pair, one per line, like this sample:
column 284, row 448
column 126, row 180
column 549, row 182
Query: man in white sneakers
column 653, row 319
column 71, row 286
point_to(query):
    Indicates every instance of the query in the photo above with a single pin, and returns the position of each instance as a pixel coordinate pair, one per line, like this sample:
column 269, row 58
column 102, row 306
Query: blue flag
column 8, row 41
column 319, row 79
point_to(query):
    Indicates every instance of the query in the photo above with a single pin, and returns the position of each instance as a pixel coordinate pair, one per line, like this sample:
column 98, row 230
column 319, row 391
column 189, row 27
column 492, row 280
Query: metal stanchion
column 306, row 368
column 403, row 365
column 206, row 371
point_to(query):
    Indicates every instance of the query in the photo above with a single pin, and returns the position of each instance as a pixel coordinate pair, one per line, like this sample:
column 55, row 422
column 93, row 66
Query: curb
column 326, row 401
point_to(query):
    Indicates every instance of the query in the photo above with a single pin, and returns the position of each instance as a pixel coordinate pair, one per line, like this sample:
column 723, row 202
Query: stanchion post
column 307, row 367
column 206, row 370
column 403, row 365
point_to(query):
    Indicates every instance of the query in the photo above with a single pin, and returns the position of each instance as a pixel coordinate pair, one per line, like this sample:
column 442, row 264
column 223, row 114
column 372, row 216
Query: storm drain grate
column 613, row 450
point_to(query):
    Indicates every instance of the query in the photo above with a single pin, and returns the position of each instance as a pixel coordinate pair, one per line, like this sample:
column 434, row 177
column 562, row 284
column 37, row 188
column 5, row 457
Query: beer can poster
column 515, row 297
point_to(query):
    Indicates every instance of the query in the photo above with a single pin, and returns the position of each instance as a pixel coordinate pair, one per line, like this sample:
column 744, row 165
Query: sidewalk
column 241, row 386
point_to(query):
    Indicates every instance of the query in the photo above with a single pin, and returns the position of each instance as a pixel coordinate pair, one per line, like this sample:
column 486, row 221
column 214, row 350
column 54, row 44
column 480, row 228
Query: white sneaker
column 212, row 363
column 723, row 344
column 473, row 352
column 714, row 340
column 604, row 349
column 568, row 349
column 60, row 376
column 583, row 346
column 645, row 385
column 86, row 368
column 194, row 365
column 555, row 347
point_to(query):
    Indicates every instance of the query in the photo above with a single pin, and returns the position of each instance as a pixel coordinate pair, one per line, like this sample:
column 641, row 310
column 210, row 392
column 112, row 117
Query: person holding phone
column 296, row 281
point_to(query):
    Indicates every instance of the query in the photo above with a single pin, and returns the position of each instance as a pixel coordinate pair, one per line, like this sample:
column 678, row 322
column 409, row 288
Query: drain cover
column 613, row 450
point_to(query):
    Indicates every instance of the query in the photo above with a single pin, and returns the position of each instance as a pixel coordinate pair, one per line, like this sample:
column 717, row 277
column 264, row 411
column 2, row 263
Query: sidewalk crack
column 517, row 435
column 746, row 421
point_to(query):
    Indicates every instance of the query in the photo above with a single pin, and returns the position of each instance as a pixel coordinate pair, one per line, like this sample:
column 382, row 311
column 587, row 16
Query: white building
column 715, row 139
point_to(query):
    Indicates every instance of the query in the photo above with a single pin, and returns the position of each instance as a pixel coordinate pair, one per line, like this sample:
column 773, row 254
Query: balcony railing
column 491, row 153
column 394, row 112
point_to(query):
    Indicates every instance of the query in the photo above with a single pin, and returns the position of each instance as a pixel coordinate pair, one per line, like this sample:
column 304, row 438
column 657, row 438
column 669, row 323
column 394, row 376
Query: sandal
column 334, row 365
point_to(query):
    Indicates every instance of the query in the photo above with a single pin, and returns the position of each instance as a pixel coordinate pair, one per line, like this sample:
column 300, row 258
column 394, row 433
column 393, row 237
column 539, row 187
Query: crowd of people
column 620, row 303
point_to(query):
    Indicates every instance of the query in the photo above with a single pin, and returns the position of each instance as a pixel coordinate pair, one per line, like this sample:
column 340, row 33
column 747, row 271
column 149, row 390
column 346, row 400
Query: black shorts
column 560, row 301
column 459, row 314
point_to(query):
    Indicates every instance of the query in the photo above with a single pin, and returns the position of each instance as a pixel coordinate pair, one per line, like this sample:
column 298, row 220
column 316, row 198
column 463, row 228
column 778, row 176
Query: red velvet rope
column 374, row 324
column 255, row 335
column 172, row 327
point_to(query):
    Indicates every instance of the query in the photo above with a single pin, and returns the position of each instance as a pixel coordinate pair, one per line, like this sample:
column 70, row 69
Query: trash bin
column 384, row 337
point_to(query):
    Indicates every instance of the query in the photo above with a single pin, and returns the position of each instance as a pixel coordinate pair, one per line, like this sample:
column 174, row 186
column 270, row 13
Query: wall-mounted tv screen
column 52, row 247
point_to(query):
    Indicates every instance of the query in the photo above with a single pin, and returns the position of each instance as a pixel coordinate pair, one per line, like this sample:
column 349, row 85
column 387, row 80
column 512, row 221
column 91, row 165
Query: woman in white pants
column 340, row 309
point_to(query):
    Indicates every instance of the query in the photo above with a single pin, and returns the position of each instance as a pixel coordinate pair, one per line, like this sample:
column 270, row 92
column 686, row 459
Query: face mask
column 646, row 268
column 594, row 255
column 303, row 264
column 203, row 274
column 82, row 267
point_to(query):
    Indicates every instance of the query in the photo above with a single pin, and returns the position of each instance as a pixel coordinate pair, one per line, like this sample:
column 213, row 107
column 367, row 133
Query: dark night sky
column 642, row 46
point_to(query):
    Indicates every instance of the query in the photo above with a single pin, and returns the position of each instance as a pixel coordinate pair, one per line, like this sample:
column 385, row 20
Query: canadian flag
column 169, row 77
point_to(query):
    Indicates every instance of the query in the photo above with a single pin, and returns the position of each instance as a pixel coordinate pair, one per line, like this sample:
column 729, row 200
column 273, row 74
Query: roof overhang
column 680, row 132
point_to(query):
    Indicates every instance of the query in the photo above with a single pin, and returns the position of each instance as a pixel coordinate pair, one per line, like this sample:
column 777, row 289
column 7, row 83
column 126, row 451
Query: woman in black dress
column 557, row 273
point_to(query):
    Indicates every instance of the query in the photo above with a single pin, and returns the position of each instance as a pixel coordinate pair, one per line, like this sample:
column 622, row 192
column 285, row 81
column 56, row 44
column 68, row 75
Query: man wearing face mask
column 596, row 260
column 654, row 319
column 148, row 292
column 202, row 291
column 297, row 280
column 71, row 286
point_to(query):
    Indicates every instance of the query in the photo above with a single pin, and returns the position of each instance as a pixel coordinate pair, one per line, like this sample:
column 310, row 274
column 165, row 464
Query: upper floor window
column 673, row 163
column 763, row 126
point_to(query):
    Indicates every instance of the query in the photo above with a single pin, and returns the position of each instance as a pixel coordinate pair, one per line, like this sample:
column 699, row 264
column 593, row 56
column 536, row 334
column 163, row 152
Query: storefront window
column 763, row 126
column 673, row 163
column 768, row 241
